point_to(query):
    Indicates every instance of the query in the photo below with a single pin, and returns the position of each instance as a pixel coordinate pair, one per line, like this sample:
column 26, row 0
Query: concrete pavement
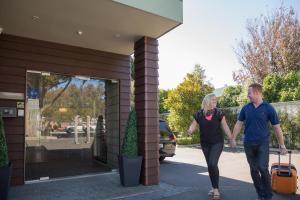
column 183, row 177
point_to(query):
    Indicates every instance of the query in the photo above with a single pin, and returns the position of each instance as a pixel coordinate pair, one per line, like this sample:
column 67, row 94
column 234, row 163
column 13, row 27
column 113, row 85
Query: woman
column 211, row 121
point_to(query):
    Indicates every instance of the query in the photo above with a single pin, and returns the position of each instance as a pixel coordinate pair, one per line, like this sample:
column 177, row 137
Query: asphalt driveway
column 188, row 169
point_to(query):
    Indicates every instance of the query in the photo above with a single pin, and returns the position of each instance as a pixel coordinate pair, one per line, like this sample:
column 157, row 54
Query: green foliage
column 83, row 102
column 231, row 118
column 163, row 95
column 186, row 99
column 286, row 88
column 272, row 85
column 230, row 96
column 3, row 145
column 290, row 128
column 243, row 97
column 195, row 139
column 291, row 87
column 130, row 143
column 164, row 134
column 184, row 140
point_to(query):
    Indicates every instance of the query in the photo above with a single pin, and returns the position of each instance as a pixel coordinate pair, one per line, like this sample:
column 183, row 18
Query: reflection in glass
column 65, row 125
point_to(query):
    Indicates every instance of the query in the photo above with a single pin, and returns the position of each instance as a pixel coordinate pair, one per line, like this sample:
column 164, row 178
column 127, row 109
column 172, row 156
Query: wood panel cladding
column 18, row 54
column 146, row 102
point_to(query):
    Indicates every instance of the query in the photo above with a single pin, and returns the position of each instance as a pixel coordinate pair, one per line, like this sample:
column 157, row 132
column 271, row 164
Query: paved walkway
column 183, row 177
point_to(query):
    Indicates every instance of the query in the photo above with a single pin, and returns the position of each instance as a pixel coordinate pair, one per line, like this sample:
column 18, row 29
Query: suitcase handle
column 290, row 157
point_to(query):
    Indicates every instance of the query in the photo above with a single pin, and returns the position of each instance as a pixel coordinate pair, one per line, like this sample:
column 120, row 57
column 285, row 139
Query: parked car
column 92, row 129
column 167, row 143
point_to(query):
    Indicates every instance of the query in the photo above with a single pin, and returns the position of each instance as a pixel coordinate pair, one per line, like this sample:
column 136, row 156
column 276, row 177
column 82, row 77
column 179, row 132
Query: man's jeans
column 258, row 159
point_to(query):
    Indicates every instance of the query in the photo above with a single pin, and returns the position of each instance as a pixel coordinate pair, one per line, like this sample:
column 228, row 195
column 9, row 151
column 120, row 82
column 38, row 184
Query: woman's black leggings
column 212, row 154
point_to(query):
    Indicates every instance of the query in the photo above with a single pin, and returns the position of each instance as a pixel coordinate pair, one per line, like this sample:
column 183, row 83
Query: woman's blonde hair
column 206, row 103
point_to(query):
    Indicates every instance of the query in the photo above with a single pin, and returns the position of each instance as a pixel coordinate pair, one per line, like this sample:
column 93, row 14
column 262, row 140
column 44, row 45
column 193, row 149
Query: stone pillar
column 76, row 130
column 88, row 129
column 146, row 103
column 112, row 122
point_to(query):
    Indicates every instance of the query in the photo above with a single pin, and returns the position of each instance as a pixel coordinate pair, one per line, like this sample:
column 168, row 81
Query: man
column 256, row 116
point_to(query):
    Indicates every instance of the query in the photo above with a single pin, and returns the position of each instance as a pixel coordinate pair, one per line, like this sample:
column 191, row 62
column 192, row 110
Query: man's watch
column 282, row 146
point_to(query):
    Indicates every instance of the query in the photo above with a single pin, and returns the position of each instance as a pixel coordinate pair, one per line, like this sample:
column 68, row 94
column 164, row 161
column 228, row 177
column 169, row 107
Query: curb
column 239, row 147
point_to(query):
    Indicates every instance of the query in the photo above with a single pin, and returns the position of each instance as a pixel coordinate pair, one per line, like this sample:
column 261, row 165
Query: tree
column 291, row 88
column 286, row 88
column 163, row 95
column 273, row 46
column 230, row 96
column 272, row 85
column 186, row 98
column 49, row 83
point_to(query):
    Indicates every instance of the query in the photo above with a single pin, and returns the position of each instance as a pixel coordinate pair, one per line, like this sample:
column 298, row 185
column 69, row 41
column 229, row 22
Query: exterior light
column 62, row 110
column 35, row 18
column 79, row 32
column 85, row 78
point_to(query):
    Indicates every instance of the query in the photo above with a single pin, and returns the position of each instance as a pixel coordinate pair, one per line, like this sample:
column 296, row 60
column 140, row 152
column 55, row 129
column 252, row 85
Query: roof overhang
column 96, row 24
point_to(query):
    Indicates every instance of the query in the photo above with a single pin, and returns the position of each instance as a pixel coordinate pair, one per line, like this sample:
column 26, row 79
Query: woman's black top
column 210, row 126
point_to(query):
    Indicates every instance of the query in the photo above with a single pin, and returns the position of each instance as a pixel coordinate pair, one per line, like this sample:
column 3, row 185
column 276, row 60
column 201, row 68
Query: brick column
column 146, row 102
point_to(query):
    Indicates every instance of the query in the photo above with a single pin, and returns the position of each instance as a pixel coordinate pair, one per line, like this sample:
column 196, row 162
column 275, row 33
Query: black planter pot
column 5, row 175
column 130, row 170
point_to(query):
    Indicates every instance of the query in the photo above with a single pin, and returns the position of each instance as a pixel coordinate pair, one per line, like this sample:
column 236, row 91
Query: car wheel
column 161, row 158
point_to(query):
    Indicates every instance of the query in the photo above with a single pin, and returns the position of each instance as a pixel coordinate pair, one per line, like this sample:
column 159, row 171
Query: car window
column 163, row 126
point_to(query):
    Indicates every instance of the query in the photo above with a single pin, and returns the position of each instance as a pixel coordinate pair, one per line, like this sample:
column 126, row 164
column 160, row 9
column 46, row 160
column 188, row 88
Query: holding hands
column 232, row 143
column 283, row 150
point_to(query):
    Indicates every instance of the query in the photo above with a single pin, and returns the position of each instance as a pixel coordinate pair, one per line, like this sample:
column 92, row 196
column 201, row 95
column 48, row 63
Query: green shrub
column 130, row 143
column 231, row 118
column 184, row 140
column 194, row 139
column 291, row 130
column 164, row 134
column 3, row 145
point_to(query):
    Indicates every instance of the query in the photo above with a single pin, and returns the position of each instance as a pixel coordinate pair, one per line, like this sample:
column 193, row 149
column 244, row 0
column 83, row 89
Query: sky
column 209, row 35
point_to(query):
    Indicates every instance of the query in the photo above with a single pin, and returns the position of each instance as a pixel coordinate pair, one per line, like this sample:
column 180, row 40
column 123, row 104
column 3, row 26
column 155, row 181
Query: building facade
column 65, row 79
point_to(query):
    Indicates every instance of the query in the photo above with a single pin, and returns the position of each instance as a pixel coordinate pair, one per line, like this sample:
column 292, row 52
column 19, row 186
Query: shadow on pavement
column 196, row 180
column 179, row 181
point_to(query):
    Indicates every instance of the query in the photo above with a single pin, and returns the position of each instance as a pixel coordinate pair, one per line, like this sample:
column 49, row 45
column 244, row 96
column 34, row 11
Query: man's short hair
column 256, row 87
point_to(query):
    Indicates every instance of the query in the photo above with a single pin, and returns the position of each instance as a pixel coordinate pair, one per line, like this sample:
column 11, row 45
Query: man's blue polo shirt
column 256, row 122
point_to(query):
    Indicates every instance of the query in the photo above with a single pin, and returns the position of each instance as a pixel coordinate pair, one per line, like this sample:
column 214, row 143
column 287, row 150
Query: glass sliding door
column 65, row 126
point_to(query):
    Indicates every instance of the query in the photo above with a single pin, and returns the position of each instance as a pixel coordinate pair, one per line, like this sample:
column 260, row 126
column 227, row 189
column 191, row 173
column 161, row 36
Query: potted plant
column 129, row 161
column 5, row 165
